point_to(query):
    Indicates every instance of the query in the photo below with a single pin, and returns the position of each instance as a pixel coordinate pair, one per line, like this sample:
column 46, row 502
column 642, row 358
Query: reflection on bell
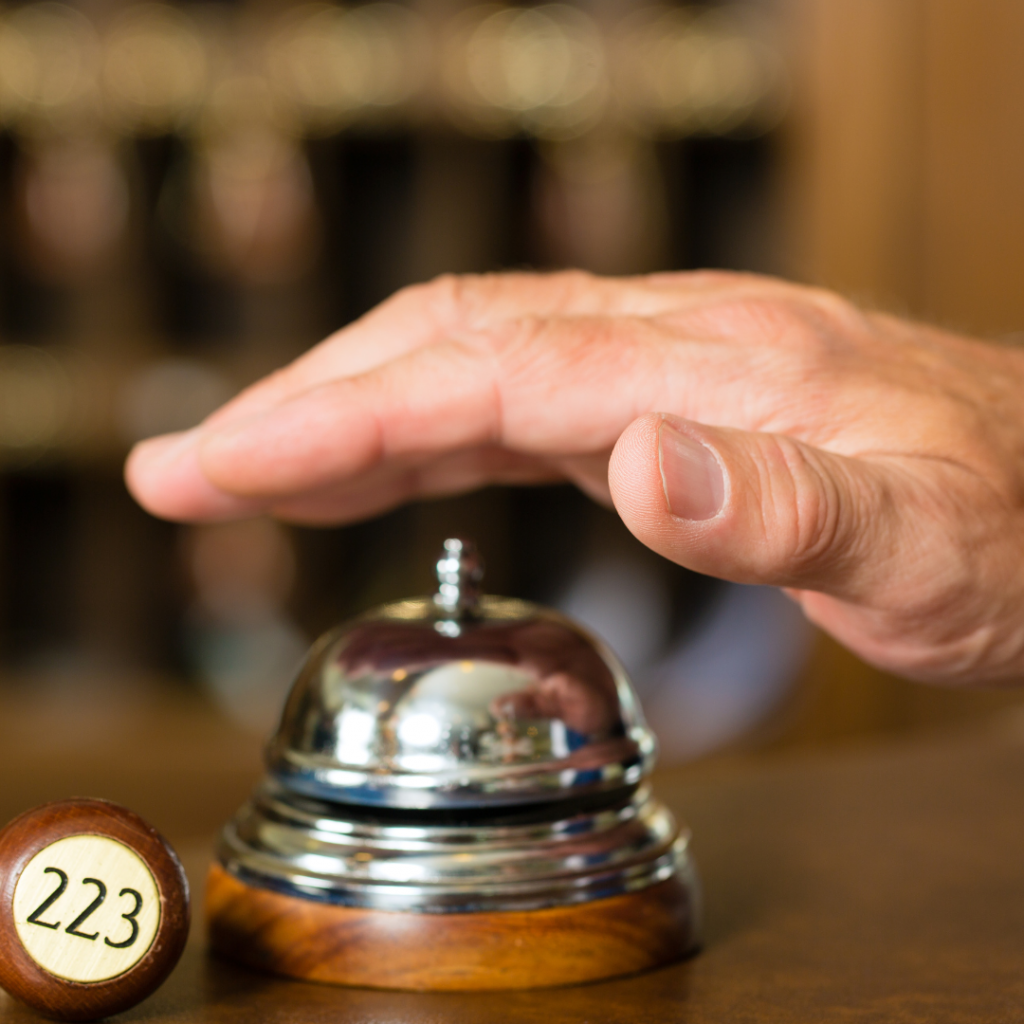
column 456, row 799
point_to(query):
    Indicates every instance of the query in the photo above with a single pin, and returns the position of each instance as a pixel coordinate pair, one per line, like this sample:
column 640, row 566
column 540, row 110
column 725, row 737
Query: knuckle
column 767, row 318
column 808, row 324
column 453, row 301
column 834, row 307
column 469, row 301
column 434, row 300
column 465, row 301
column 447, row 297
column 520, row 343
column 438, row 290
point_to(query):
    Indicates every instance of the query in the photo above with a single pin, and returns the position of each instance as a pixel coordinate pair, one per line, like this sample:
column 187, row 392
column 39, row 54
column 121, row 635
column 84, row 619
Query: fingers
column 190, row 497
column 411, row 318
column 440, row 368
column 524, row 392
column 393, row 483
column 165, row 474
column 165, row 477
column 447, row 307
column 759, row 508
column 451, row 306
column 435, row 401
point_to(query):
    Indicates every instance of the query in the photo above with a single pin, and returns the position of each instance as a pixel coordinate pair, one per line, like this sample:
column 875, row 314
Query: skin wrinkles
column 872, row 466
column 539, row 355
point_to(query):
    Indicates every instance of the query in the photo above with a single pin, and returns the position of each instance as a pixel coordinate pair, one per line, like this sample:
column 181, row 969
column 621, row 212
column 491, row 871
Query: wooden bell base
column 473, row 951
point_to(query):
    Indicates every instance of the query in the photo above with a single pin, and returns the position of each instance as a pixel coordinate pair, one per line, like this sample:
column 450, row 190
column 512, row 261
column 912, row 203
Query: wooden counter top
column 873, row 883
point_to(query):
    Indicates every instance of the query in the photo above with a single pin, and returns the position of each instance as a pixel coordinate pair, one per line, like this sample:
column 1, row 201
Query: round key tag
column 94, row 909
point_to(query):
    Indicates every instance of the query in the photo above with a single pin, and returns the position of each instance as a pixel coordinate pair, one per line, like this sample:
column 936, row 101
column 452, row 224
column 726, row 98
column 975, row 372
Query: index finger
column 423, row 314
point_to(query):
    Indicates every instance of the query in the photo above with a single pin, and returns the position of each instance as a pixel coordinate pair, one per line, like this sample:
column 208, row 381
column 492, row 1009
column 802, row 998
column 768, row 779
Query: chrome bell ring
column 303, row 847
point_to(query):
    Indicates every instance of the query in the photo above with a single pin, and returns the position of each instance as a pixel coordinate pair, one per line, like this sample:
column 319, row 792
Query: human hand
column 743, row 427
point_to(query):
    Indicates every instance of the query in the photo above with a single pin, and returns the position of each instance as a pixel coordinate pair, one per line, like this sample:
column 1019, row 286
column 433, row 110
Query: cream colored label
column 86, row 908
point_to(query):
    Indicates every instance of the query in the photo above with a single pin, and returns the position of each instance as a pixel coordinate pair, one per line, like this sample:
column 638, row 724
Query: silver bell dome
column 460, row 701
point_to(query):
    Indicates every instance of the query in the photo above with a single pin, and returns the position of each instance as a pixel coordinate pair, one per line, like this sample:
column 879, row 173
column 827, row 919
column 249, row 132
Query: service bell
column 456, row 798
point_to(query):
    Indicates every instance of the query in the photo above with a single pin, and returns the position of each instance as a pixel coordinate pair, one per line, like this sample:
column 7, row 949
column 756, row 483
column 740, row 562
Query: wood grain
column 873, row 882
column 449, row 952
column 63, row 998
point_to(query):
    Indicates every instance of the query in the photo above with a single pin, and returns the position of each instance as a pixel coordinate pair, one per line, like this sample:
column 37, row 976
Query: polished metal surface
column 459, row 572
column 309, row 848
column 458, row 753
column 460, row 701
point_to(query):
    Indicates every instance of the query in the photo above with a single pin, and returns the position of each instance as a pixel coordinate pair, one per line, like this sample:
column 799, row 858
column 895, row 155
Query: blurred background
column 192, row 194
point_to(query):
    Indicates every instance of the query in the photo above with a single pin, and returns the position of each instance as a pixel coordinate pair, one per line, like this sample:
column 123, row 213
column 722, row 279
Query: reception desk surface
column 879, row 882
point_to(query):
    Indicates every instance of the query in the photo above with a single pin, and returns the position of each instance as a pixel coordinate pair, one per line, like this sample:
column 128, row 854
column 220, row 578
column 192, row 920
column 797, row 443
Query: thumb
column 755, row 508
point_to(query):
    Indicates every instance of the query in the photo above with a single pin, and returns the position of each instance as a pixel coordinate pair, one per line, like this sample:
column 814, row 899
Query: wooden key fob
column 94, row 909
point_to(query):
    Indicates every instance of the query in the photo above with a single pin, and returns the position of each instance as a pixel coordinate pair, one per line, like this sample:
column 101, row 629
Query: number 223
column 101, row 894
